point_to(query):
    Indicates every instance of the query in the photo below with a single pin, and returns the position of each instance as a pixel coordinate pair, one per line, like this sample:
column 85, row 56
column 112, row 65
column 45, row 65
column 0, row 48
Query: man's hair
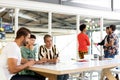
column 32, row 36
column 46, row 36
column 22, row 32
column 82, row 27
column 113, row 27
column 107, row 28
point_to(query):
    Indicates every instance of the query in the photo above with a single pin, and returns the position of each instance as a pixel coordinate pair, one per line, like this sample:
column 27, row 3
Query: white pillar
column 0, row 22
column 77, row 31
column 78, row 23
column 101, row 33
column 16, row 19
column 50, row 23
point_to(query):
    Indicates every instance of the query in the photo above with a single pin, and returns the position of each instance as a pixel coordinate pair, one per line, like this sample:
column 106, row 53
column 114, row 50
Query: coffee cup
column 100, row 57
column 95, row 56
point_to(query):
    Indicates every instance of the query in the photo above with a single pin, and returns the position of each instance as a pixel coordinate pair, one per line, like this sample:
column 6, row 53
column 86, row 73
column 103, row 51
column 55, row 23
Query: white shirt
column 11, row 50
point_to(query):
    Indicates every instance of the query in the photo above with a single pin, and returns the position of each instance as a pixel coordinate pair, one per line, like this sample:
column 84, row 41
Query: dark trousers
column 62, row 77
column 108, row 55
column 27, row 77
column 81, row 54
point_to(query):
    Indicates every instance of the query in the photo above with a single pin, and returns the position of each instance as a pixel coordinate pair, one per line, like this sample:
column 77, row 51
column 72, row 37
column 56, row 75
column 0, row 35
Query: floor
column 87, row 76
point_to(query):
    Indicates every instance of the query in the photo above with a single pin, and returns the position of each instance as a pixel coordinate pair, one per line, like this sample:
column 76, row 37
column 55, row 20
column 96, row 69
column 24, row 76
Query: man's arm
column 43, row 60
column 24, row 61
column 87, row 40
column 102, row 42
column 14, row 68
column 111, row 43
column 55, row 60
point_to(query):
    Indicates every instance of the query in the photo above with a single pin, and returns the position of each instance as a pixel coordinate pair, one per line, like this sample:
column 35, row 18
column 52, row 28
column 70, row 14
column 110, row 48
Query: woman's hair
column 82, row 27
column 107, row 28
column 32, row 36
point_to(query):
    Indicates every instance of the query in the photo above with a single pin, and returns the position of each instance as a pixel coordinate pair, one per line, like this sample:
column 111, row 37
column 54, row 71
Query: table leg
column 52, row 77
column 106, row 72
column 102, row 75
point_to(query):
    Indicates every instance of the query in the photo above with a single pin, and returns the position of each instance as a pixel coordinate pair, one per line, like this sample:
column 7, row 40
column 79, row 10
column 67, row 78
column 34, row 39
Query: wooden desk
column 52, row 70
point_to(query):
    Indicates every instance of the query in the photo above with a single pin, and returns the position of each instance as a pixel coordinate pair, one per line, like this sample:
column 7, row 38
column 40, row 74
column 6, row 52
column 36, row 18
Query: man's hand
column 95, row 44
column 30, row 63
column 43, row 60
column 54, row 61
column 31, row 47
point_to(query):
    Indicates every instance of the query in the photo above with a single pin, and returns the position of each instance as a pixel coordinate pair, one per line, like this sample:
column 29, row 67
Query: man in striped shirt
column 49, row 53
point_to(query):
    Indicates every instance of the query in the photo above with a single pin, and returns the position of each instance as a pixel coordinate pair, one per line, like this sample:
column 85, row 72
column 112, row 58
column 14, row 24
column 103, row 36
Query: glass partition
column 6, row 26
column 93, row 32
column 63, row 24
column 64, row 31
column 36, row 21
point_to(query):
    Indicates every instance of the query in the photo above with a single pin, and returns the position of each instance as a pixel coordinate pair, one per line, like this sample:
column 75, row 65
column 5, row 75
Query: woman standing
column 83, row 41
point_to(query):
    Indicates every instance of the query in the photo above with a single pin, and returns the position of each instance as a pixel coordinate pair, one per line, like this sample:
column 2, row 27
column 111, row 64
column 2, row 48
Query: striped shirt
column 48, row 53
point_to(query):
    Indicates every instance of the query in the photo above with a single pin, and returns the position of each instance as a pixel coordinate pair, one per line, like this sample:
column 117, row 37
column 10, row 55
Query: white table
column 52, row 70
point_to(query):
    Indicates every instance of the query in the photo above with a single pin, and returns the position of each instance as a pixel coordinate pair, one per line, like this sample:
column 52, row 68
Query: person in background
column 29, row 53
column 11, row 57
column 49, row 53
column 105, row 39
column 83, row 41
column 111, row 48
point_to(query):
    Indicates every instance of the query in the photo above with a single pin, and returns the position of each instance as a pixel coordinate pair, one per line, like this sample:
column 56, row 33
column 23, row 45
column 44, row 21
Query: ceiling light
column 26, row 16
column 88, row 20
column 2, row 9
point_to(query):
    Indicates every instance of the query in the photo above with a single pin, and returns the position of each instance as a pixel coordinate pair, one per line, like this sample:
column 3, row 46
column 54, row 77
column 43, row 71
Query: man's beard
column 24, row 43
column 110, row 32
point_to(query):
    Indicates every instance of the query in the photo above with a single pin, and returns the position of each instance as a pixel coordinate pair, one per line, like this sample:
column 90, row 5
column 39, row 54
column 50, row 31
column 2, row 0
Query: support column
column 16, row 19
column 77, row 23
column 77, row 31
column 101, row 34
column 50, row 23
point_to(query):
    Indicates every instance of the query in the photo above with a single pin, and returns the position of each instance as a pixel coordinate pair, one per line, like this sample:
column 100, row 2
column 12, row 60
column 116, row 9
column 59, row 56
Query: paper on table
column 80, row 60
